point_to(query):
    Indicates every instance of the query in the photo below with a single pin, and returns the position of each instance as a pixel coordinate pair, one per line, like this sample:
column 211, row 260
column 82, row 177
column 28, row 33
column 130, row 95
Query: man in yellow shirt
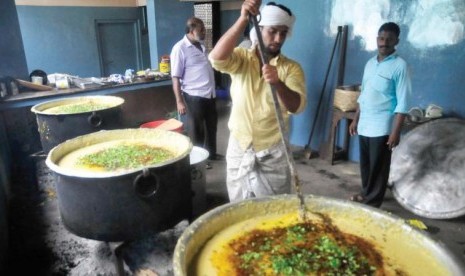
column 256, row 159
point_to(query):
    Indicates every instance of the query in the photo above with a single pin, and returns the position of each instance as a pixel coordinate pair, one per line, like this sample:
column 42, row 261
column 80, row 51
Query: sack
column 345, row 97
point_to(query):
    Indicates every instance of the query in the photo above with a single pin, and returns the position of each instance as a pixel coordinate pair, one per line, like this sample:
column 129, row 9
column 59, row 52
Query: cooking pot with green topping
column 266, row 236
column 119, row 185
column 60, row 120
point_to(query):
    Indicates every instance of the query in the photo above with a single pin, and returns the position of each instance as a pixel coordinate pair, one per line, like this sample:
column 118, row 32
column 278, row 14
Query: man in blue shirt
column 383, row 104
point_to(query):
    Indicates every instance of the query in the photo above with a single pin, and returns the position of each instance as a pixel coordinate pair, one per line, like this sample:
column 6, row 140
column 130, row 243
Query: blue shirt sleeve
column 403, row 89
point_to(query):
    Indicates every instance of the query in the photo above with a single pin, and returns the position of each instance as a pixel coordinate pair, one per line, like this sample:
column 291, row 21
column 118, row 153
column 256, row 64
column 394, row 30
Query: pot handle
column 146, row 184
column 94, row 119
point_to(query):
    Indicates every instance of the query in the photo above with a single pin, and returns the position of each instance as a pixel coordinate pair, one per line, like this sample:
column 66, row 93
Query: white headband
column 274, row 16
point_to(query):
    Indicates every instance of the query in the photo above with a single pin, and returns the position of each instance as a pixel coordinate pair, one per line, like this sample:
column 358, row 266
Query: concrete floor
column 49, row 249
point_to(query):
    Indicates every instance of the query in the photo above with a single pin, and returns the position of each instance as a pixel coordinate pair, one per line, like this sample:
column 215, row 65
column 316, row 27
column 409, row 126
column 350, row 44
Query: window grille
column 204, row 11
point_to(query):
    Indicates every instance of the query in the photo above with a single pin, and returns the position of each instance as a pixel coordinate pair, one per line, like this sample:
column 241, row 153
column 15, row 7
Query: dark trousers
column 202, row 120
column 375, row 162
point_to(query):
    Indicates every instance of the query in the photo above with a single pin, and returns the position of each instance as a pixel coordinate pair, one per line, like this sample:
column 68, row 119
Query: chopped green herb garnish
column 125, row 156
column 77, row 108
column 301, row 249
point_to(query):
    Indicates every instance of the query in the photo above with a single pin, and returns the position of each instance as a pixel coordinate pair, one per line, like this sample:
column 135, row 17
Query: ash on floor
column 40, row 244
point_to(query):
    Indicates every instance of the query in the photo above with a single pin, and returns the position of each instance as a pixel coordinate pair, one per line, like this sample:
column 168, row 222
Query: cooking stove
column 38, row 229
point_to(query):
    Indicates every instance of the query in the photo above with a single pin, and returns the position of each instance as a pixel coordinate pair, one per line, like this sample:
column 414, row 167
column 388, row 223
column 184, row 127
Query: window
column 209, row 13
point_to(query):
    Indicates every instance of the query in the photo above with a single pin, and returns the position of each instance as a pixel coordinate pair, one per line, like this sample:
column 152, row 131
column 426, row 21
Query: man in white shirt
column 194, row 86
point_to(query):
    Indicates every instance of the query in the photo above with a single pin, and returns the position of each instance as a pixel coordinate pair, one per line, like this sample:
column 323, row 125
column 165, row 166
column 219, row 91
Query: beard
column 272, row 51
column 200, row 38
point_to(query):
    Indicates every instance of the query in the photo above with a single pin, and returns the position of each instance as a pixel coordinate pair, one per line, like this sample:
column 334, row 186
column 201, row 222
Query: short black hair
column 390, row 27
column 284, row 8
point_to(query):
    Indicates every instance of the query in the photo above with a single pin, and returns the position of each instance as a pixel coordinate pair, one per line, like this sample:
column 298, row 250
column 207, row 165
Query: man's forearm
column 177, row 89
column 398, row 121
column 357, row 114
column 288, row 97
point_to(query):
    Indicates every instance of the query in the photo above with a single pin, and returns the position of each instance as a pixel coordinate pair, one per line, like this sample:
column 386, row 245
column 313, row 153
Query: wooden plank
column 34, row 86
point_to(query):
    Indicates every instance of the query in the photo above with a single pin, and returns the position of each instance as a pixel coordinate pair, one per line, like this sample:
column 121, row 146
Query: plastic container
column 222, row 94
column 198, row 159
column 165, row 66
column 155, row 124
column 37, row 80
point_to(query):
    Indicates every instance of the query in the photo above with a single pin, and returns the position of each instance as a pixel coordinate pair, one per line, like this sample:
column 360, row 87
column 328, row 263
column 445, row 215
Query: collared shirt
column 386, row 89
column 253, row 119
column 191, row 66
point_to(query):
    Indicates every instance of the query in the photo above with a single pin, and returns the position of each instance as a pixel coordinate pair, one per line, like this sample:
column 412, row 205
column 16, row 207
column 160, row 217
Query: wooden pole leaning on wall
column 341, row 35
column 327, row 148
column 342, row 56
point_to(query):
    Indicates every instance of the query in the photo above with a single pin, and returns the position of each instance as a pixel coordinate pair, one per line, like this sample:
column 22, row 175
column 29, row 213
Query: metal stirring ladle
column 279, row 116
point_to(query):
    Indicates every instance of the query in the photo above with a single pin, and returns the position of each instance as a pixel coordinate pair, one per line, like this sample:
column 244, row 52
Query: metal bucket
column 198, row 160
column 124, row 205
column 57, row 128
column 414, row 251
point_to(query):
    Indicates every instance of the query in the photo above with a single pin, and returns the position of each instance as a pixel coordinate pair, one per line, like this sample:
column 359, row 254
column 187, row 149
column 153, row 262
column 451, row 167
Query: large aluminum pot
column 57, row 128
column 129, row 204
column 411, row 249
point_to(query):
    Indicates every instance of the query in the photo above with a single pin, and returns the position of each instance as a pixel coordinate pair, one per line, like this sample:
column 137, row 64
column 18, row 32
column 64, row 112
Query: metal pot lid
column 428, row 169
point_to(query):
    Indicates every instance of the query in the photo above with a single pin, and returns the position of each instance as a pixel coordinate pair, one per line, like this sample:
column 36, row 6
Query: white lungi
column 256, row 174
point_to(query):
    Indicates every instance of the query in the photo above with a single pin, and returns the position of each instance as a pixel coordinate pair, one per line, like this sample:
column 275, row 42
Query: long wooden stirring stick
column 279, row 116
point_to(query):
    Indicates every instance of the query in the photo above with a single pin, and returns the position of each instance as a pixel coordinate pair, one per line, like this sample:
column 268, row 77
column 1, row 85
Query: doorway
column 119, row 46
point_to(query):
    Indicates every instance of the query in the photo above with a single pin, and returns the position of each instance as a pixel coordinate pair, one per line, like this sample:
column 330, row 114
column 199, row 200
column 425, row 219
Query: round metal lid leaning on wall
column 427, row 169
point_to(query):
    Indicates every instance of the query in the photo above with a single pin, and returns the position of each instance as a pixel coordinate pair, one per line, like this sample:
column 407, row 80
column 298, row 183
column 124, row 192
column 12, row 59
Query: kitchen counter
column 34, row 97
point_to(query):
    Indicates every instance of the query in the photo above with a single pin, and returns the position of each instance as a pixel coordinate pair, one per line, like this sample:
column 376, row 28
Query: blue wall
column 228, row 17
column 171, row 23
column 437, row 72
column 13, row 60
column 169, row 17
column 64, row 40
column 64, row 47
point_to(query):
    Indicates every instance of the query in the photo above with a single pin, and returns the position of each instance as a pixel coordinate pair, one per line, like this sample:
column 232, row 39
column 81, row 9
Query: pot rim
column 181, row 259
column 41, row 107
column 179, row 141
